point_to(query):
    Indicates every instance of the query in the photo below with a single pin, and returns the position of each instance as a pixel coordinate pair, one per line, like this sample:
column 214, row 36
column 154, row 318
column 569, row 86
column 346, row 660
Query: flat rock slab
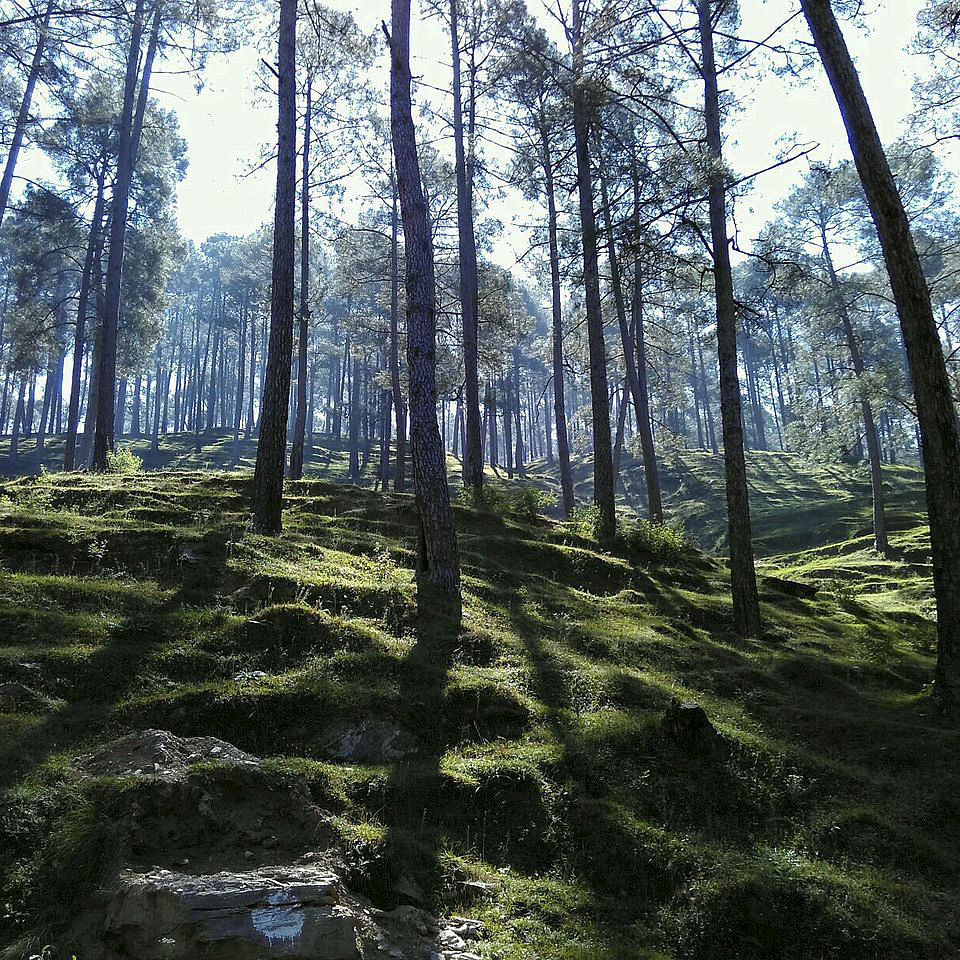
column 158, row 753
column 292, row 911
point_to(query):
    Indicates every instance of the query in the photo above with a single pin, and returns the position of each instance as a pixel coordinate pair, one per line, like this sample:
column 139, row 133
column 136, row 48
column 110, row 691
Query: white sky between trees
column 226, row 123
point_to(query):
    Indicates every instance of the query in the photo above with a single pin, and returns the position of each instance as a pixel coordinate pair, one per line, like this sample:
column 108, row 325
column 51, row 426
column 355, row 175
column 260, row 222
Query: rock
column 291, row 912
column 371, row 741
column 450, row 940
column 409, row 889
column 473, row 890
column 466, row 928
column 688, row 725
column 162, row 753
column 410, row 917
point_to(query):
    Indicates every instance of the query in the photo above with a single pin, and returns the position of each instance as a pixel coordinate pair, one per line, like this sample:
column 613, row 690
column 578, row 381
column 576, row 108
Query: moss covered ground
column 543, row 796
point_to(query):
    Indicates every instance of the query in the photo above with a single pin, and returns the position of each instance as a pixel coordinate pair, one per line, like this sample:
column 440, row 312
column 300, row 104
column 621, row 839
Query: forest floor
column 531, row 783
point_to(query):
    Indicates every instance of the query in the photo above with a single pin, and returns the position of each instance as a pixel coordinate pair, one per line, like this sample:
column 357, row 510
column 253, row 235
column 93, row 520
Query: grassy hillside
column 810, row 520
column 796, row 503
column 539, row 791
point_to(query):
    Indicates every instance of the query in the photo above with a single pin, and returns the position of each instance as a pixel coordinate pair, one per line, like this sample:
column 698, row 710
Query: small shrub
column 530, row 501
column 124, row 461
column 659, row 539
column 525, row 502
column 585, row 521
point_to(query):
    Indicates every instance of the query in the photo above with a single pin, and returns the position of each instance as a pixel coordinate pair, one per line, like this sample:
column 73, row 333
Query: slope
column 536, row 789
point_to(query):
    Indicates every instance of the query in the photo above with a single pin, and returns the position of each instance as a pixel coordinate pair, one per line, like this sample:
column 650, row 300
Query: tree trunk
column 473, row 455
column 935, row 409
column 300, row 424
column 520, row 453
column 131, row 126
column 18, row 418
column 603, row 483
column 559, row 403
column 880, row 541
column 268, row 475
column 241, row 375
column 648, row 451
column 355, row 416
column 746, row 603
column 94, row 249
column 439, row 564
column 24, row 115
column 399, row 476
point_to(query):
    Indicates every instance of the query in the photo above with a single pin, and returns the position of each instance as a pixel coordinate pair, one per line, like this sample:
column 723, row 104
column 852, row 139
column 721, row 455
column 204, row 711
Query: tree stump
column 687, row 724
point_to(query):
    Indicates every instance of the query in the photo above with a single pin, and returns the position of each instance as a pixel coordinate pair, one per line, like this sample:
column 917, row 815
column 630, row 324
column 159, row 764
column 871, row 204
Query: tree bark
column 746, row 603
column 300, row 423
column 648, row 450
column 880, row 541
column 559, row 403
column 131, row 126
column 931, row 384
column 94, row 244
column 268, row 474
column 603, row 481
column 469, row 308
column 400, row 473
column 439, row 564
column 24, row 115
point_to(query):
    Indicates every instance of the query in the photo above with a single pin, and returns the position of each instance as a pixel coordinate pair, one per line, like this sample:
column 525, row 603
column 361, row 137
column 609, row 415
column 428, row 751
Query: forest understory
column 518, row 773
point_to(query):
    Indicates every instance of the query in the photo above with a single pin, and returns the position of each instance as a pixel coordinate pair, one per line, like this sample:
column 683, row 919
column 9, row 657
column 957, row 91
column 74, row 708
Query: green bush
column 659, row 539
column 525, row 502
column 530, row 501
column 124, row 460
column 585, row 520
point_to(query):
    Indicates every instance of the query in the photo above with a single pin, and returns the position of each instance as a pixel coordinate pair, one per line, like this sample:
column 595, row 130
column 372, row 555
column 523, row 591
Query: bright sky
column 225, row 124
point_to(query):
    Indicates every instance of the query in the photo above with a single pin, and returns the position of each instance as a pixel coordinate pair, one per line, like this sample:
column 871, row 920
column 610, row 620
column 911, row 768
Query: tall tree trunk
column 24, row 115
column 120, row 407
column 300, row 424
column 931, row 384
column 704, row 386
column 559, row 403
column 131, row 126
column 252, row 387
column 753, row 392
column 439, row 564
column 94, row 250
column 355, row 415
column 18, row 419
column 746, row 603
column 47, row 402
column 399, row 476
column 880, row 541
column 603, row 482
column 473, row 453
column 648, row 450
column 268, row 475
column 520, row 453
column 135, row 408
column 241, row 375
column 93, row 391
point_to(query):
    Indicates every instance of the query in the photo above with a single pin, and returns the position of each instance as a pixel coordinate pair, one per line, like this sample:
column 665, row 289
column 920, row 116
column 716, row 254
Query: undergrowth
column 542, row 795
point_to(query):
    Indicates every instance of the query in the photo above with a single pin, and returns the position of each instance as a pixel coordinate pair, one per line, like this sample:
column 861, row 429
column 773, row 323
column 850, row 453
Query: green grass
column 828, row 827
